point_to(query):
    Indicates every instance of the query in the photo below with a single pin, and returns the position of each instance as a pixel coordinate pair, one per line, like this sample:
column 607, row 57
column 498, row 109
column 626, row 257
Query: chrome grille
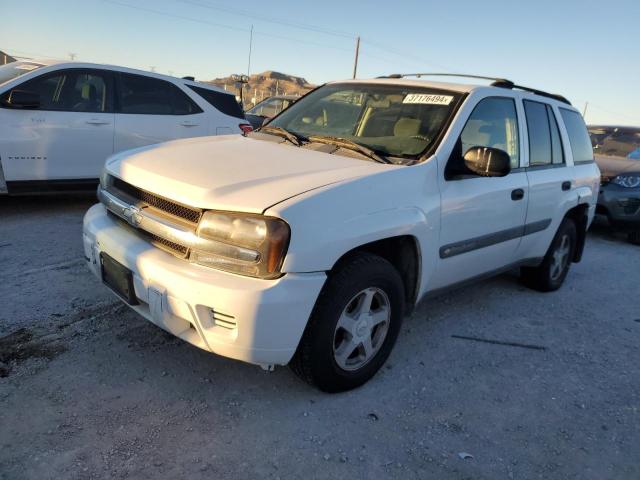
column 119, row 187
column 171, row 247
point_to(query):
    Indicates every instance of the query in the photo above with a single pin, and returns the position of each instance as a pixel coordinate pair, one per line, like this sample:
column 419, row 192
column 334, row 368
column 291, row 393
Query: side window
column 545, row 145
column 557, row 153
column 578, row 136
column 493, row 123
column 138, row 94
column 539, row 133
column 50, row 88
column 72, row 91
column 87, row 92
column 224, row 102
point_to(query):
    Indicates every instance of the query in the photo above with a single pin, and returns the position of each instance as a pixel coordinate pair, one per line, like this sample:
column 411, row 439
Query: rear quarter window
column 224, row 102
column 578, row 136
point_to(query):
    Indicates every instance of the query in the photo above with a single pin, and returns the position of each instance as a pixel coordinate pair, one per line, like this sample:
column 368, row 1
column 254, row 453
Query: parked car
column 269, row 108
column 306, row 242
column 59, row 121
column 618, row 156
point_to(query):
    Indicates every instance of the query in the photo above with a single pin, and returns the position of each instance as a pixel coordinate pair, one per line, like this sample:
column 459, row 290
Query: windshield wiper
column 292, row 137
column 350, row 145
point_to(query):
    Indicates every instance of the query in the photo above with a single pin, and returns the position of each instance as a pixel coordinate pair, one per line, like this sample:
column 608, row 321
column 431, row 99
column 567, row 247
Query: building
column 4, row 58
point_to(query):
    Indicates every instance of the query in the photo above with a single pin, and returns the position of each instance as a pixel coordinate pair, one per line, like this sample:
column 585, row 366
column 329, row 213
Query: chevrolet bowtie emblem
column 132, row 215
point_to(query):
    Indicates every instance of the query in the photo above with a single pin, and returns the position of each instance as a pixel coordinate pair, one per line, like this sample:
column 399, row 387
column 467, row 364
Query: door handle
column 97, row 121
column 187, row 123
column 566, row 185
column 517, row 194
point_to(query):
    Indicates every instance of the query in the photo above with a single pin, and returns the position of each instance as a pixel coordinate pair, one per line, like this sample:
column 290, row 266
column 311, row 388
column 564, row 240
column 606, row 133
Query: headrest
column 407, row 127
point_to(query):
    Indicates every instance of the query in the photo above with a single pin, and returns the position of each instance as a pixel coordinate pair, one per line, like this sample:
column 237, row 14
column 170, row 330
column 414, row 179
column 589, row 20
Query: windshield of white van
column 391, row 120
column 15, row 69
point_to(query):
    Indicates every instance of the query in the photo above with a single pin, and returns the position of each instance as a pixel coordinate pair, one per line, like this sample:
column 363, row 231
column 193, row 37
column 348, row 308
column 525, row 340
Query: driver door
column 482, row 218
column 68, row 137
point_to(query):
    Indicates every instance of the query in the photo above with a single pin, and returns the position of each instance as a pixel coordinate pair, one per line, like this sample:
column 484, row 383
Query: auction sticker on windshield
column 428, row 99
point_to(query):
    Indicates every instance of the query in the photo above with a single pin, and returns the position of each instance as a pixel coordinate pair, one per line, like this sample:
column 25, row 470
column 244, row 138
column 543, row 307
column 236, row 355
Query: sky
column 585, row 50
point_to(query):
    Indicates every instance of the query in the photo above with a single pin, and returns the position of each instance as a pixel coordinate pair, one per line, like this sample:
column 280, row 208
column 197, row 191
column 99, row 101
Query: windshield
column 393, row 120
column 616, row 141
column 270, row 107
column 15, row 69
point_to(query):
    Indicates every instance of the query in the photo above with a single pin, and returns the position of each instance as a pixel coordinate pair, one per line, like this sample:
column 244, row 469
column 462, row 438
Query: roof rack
column 496, row 82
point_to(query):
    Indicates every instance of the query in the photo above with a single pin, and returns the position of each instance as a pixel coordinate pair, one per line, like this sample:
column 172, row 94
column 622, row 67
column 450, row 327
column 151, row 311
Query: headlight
column 246, row 244
column 627, row 181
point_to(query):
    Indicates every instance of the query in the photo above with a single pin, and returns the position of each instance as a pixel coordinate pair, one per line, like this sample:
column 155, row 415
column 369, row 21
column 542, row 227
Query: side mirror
column 23, row 99
column 487, row 161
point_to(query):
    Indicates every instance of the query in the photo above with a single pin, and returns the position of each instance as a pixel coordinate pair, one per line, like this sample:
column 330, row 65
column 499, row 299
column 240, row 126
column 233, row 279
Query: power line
column 406, row 55
column 245, row 13
column 317, row 29
column 221, row 25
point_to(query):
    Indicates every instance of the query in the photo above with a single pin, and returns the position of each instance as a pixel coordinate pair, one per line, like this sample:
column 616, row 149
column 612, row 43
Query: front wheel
column 353, row 326
column 550, row 274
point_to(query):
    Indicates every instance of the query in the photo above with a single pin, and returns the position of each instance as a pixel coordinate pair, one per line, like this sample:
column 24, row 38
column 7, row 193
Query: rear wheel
column 550, row 274
column 353, row 327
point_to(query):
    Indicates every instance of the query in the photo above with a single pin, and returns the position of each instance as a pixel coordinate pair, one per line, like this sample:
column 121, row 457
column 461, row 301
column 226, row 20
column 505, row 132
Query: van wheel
column 353, row 326
column 634, row 237
column 550, row 274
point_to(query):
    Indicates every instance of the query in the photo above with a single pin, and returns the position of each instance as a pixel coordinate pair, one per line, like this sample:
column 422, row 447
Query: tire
column 634, row 237
column 341, row 320
column 550, row 274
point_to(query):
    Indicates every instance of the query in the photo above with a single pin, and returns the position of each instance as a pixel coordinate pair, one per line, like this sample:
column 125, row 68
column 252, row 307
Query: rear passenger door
column 151, row 110
column 550, row 179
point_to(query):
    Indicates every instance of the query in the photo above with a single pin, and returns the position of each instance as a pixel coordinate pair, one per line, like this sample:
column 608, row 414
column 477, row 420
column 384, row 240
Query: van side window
column 493, row 123
column 138, row 94
column 578, row 136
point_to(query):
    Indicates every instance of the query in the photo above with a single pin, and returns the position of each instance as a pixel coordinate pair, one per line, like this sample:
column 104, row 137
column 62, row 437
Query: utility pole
column 250, row 47
column 584, row 112
column 355, row 63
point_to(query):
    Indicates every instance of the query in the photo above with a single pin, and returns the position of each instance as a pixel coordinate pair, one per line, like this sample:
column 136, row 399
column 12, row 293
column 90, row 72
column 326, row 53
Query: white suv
column 306, row 242
column 59, row 121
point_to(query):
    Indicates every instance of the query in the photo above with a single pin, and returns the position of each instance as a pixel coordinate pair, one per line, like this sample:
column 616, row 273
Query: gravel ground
column 90, row 390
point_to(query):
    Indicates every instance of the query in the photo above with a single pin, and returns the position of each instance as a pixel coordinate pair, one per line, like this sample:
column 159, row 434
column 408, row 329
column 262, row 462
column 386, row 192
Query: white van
column 59, row 121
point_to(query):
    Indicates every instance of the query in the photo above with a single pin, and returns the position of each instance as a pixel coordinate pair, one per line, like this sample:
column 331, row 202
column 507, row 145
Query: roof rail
column 496, row 82
column 402, row 75
column 535, row 91
column 189, row 77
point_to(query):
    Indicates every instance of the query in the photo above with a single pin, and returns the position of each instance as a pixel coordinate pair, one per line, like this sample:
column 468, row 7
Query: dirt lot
column 90, row 390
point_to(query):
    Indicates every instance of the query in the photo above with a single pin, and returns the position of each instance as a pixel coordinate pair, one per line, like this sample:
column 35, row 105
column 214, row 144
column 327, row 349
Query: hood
column 612, row 166
column 233, row 172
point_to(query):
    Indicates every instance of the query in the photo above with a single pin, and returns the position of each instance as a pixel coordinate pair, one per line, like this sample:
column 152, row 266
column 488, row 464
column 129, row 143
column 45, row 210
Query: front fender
column 318, row 249
column 331, row 221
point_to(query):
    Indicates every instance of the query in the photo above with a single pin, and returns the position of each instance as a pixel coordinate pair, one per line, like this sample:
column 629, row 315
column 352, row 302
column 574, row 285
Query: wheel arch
column 403, row 252
column 580, row 217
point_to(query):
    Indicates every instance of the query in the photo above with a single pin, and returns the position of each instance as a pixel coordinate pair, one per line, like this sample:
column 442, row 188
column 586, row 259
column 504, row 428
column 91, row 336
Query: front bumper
column 620, row 205
column 253, row 320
